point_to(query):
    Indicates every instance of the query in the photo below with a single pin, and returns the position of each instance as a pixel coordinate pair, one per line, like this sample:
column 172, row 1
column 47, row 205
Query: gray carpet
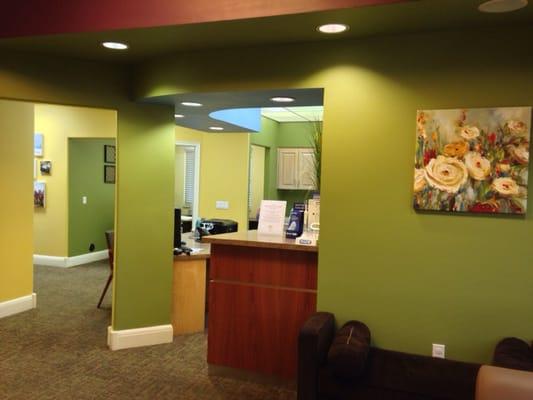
column 59, row 351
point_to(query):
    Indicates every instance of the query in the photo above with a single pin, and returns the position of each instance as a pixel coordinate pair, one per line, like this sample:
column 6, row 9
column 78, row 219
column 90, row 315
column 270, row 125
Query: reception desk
column 189, row 290
column 261, row 291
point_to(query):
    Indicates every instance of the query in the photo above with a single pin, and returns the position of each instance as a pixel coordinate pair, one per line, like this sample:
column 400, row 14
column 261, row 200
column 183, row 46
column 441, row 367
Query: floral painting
column 39, row 194
column 472, row 160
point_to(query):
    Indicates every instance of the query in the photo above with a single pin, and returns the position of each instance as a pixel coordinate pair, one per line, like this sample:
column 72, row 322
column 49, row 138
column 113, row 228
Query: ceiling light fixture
column 333, row 28
column 179, row 115
column 191, row 104
column 216, row 128
column 502, row 6
column 282, row 99
column 115, row 45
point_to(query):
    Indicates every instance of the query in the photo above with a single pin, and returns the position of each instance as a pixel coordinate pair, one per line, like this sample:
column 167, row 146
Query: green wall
column 144, row 189
column 294, row 134
column 415, row 279
column 88, row 222
column 268, row 138
column 274, row 134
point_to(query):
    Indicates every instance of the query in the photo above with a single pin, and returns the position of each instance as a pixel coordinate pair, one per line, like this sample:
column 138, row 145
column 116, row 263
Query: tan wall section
column 16, row 201
column 223, row 172
column 57, row 124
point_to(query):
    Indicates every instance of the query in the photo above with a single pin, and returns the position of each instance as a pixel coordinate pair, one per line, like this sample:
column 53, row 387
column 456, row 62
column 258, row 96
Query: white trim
column 18, row 305
column 128, row 338
column 87, row 258
column 67, row 262
column 50, row 261
column 197, row 149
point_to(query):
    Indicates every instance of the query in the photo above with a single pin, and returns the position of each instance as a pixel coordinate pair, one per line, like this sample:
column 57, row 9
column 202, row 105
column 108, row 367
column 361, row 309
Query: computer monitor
column 177, row 228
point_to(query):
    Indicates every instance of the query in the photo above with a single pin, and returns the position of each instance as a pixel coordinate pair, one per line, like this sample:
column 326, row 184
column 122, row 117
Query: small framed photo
column 110, row 154
column 38, row 145
column 109, row 174
column 45, row 167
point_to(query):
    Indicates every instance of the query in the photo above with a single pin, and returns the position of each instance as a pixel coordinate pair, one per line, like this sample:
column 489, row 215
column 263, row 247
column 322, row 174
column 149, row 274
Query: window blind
column 189, row 177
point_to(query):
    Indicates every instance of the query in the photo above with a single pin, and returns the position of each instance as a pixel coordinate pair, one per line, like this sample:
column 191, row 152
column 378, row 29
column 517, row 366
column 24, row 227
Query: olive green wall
column 88, row 222
column 415, row 279
column 144, row 189
column 268, row 138
column 275, row 134
column 295, row 134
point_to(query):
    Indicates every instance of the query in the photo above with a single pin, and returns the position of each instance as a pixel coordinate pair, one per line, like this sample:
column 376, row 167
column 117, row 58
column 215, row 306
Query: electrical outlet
column 439, row 350
column 222, row 204
column 84, row 200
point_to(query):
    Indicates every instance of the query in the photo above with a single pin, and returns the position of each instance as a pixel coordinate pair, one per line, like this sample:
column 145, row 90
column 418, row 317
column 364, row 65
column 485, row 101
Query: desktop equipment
column 179, row 246
column 206, row 227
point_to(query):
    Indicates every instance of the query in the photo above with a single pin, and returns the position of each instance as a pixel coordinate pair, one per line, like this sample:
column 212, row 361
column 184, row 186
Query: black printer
column 217, row 226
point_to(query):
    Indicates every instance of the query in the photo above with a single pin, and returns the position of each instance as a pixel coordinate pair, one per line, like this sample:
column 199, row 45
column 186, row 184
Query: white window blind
column 189, row 177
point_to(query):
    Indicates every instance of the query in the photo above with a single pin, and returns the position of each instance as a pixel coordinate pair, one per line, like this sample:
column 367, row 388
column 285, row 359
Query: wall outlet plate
column 439, row 351
column 222, row 204
column 84, row 200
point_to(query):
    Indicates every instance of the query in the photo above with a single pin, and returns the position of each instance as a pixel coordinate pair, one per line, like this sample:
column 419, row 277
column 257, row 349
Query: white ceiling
column 294, row 114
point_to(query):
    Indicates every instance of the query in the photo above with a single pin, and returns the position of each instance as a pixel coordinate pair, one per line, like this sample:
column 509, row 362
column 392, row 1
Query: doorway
column 187, row 183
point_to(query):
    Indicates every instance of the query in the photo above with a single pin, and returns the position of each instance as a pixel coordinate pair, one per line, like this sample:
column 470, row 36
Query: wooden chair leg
column 105, row 290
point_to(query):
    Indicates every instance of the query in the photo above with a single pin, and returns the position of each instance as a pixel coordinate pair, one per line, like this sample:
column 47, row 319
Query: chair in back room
column 110, row 239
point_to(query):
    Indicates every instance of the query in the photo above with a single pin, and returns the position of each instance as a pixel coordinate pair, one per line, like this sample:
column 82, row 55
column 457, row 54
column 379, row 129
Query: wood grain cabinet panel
column 258, row 300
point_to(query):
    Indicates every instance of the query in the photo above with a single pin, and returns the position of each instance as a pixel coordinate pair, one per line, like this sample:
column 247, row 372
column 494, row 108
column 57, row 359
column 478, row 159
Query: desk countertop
column 253, row 239
column 204, row 252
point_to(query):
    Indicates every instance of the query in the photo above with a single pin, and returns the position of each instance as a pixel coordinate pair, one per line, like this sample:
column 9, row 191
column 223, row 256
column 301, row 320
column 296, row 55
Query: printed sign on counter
column 271, row 217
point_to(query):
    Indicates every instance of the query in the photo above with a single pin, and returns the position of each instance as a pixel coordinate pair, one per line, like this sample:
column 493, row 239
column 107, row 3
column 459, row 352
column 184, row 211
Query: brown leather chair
column 110, row 239
column 495, row 383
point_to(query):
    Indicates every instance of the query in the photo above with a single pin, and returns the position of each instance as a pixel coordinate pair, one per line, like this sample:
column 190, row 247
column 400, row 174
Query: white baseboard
column 18, row 305
column 128, row 338
column 87, row 258
column 66, row 262
column 50, row 261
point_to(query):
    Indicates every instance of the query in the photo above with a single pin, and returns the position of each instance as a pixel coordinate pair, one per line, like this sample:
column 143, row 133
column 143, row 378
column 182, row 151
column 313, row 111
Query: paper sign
column 271, row 217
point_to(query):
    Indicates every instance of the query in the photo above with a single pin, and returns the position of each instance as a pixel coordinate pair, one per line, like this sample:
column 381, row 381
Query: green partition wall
column 88, row 222
column 144, row 189
column 415, row 279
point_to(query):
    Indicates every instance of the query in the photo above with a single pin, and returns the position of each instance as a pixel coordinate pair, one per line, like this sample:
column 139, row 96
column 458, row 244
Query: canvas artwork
column 472, row 160
column 39, row 194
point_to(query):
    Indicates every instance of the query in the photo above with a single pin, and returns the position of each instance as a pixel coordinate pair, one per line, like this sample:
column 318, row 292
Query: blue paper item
column 296, row 221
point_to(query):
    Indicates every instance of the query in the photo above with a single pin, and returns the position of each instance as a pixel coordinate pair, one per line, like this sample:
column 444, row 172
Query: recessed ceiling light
column 216, row 128
column 333, row 28
column 115, row 45
column 502, row 6
column 191, row 104
column 179, row 115
column 282, row 99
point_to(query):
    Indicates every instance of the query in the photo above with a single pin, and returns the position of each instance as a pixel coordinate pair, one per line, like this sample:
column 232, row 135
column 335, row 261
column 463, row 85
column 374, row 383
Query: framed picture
column 39, row 194
column 472, row 160
column 109, row 174
column 46, row 167
column 38, row 145
column 110, row 154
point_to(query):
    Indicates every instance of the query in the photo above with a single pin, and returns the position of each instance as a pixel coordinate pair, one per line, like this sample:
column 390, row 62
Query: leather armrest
column 314, row 340
column 495, row 383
